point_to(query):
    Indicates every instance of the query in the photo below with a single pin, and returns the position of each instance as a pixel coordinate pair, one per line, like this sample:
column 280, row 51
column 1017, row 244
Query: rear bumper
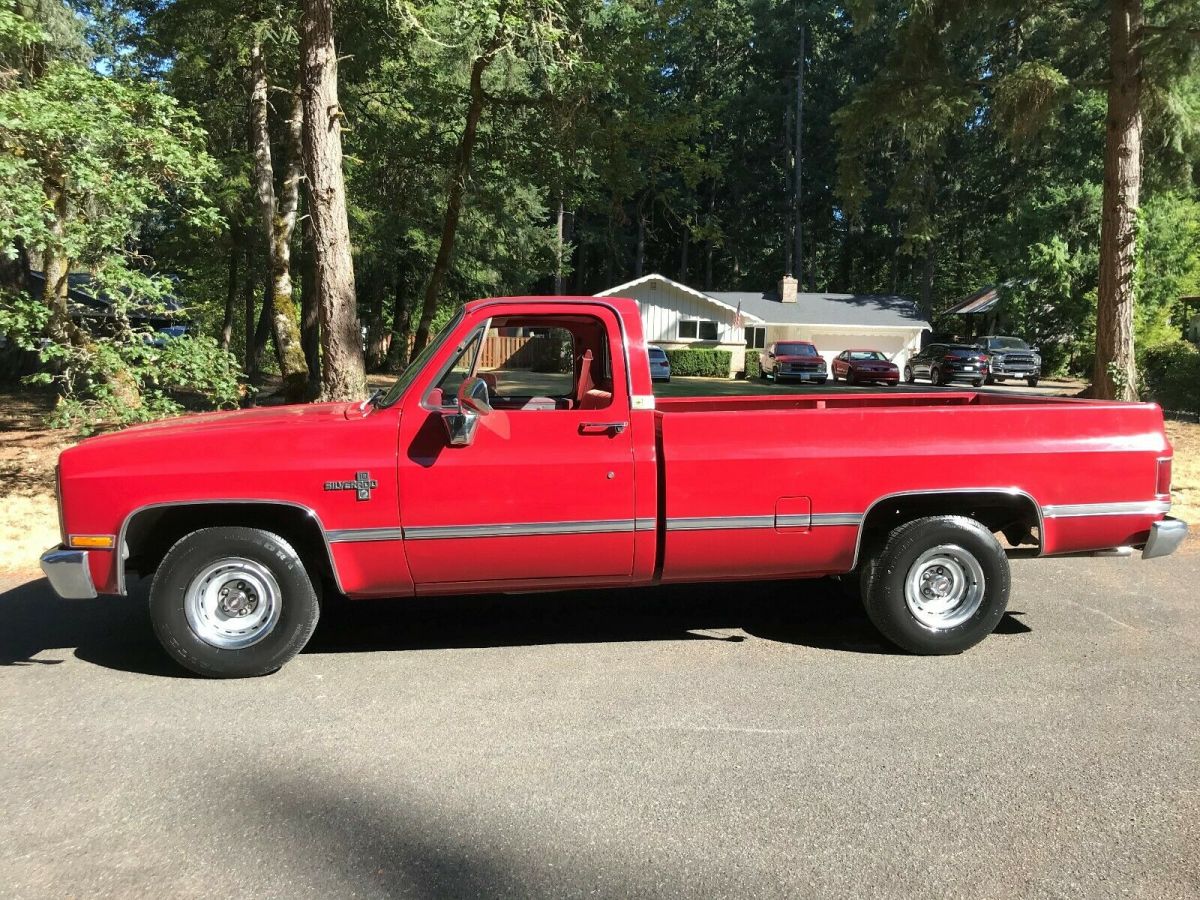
column 68, row 573
column 1165, row 538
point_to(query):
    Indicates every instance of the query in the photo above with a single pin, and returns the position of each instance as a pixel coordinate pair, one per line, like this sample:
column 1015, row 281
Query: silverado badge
column 363, row 484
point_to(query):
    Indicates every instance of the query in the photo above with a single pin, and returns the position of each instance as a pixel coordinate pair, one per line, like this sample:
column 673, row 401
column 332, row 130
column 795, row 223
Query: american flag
column 738, row 320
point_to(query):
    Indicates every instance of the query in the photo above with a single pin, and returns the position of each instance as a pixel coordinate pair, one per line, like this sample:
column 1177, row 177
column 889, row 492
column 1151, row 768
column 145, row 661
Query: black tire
column 991, row 379
column 821, row 380
column 935, row 376
column 885, row 574
column 298, row 604
column 1032, row 381
column 850, row 379
column 909, row 377
column 978, row 382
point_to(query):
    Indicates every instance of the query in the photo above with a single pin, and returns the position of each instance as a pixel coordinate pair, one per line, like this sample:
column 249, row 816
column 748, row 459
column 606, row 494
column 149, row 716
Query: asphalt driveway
column 717, row 741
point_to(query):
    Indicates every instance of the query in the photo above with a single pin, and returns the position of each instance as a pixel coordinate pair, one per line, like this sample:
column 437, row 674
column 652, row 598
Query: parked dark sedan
column 660, row 366
column 943, row 363
column 865, row 365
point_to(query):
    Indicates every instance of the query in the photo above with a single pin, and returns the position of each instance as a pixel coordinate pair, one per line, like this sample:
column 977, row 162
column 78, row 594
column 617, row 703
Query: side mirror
column 473, row 397
column 473, row 402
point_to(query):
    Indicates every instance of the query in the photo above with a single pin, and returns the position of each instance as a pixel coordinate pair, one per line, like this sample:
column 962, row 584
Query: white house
column 675, row 315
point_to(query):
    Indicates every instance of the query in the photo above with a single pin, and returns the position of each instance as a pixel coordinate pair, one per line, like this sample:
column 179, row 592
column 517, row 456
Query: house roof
column 812, row 308
column 979, row 301
column 710, row 297
column 764, row 307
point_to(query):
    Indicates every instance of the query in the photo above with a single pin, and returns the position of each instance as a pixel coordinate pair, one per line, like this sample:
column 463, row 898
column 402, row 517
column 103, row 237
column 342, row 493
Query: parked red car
column 486, row 473
column 865, row 365
column 794, row 359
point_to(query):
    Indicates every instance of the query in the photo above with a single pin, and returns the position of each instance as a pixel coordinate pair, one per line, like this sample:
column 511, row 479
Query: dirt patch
column 1185, row 475
column 28, row 453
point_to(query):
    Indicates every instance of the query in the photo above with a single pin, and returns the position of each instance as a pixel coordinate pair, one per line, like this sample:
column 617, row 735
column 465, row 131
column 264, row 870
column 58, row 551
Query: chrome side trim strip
column 648, row 524
column 516, row 529
column 837, row 518
column 1081, row 510
column 798, row 520
column 350, row 535
column 713, row 523
column 121, row 588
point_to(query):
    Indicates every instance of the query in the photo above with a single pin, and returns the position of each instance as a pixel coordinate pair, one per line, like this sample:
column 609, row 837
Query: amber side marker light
column 91, row 541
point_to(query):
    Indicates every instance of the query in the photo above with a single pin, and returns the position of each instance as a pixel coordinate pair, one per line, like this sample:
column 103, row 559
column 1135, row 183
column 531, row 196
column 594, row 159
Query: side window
column 537, row 365
column 445, row 392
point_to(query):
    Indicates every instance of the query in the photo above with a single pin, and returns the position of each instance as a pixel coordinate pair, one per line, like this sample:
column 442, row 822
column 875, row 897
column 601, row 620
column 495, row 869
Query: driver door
column 544, row 490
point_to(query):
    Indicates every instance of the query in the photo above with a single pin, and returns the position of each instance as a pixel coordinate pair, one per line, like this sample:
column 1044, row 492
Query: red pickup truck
column 524, row 450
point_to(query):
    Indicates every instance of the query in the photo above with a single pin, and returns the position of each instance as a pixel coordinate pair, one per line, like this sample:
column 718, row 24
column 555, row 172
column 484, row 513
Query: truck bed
column 786, row 485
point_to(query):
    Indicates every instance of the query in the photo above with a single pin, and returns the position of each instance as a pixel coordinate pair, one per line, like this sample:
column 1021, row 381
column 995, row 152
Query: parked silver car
column 660, row 366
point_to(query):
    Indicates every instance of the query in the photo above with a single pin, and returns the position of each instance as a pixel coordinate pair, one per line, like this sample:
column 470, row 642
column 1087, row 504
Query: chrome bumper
column 1165, row 538
column 68, row 573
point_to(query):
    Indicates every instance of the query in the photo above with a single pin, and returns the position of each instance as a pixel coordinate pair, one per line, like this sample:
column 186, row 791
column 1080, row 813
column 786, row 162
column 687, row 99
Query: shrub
column 753, row 365
column 1170, row 375
column 699, row 362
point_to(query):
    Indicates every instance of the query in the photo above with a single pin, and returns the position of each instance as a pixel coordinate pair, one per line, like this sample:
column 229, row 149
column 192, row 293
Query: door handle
column 602, row 427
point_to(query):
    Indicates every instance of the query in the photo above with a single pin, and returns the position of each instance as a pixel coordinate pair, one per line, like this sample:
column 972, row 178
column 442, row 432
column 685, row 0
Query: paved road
column 722, row 742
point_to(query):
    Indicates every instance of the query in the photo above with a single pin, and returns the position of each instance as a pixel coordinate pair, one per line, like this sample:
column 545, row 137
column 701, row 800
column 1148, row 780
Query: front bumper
column 68, row 573
column 1165, row 538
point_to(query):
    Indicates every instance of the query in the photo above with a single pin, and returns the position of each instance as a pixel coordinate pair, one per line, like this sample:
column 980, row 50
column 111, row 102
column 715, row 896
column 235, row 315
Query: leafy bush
column 700, row 362
column 121, row 376
column 1170, row 375
column 753, row 365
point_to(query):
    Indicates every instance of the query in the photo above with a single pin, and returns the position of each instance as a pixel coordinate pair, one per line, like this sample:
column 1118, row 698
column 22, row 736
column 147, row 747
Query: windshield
column 795, row 350
column 866, row 354
column 413, row 369
column 962, row 351
column 1006, row 343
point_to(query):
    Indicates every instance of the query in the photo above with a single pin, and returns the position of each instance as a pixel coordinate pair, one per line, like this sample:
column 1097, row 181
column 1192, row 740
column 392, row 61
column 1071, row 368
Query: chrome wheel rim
column 944, row 587
column 233, row 603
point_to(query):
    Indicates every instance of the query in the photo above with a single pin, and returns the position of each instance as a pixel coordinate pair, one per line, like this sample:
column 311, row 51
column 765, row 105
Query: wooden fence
column 540, row 354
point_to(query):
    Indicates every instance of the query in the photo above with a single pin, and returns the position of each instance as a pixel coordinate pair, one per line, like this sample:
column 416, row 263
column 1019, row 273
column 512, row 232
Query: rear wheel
column 935, row 375
column 939, row 585
column 233, row 602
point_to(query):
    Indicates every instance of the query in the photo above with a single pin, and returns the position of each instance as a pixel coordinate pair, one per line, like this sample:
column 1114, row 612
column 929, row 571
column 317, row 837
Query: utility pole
column 798, row 162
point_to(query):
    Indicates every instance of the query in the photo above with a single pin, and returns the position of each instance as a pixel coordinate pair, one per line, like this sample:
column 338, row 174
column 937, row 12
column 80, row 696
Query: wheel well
column 151, row 532
column 1015, row 515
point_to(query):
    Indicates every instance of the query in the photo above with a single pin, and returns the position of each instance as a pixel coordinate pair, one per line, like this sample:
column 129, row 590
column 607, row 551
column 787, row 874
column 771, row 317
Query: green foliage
column 753, row 365
column 1170, row 375
column 699, row 362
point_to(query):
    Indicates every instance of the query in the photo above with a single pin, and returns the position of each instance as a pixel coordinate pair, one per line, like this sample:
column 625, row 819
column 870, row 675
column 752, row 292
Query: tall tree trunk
column 279, row 221
column 56, row 268
column 262, row 331
column 231, row 291
column 251, row 356
column 1115, row 374
column 559, row 246
column 639, row 260
column 580, row 264
column 397, row 356
column 343, row 374
column 798, row 172
column 310, row 309
column 927, row 269
column 683, row 257
column 454, row 198
column 379, row 335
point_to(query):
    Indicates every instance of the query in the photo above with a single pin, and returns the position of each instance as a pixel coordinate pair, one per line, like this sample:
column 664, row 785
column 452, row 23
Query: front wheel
column 1032, row 381
column 939, row 585
column 233, row 602
column 909, row 378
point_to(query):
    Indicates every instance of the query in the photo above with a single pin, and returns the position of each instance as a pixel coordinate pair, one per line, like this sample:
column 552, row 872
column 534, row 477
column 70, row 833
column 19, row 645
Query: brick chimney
column 787, row 289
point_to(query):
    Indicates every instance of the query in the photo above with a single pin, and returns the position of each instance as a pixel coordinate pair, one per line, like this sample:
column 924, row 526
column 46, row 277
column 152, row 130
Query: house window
column 697, row 330
column 756, row 337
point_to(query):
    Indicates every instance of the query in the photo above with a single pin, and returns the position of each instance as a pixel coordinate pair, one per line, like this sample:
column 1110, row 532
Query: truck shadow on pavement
column 115, row 632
